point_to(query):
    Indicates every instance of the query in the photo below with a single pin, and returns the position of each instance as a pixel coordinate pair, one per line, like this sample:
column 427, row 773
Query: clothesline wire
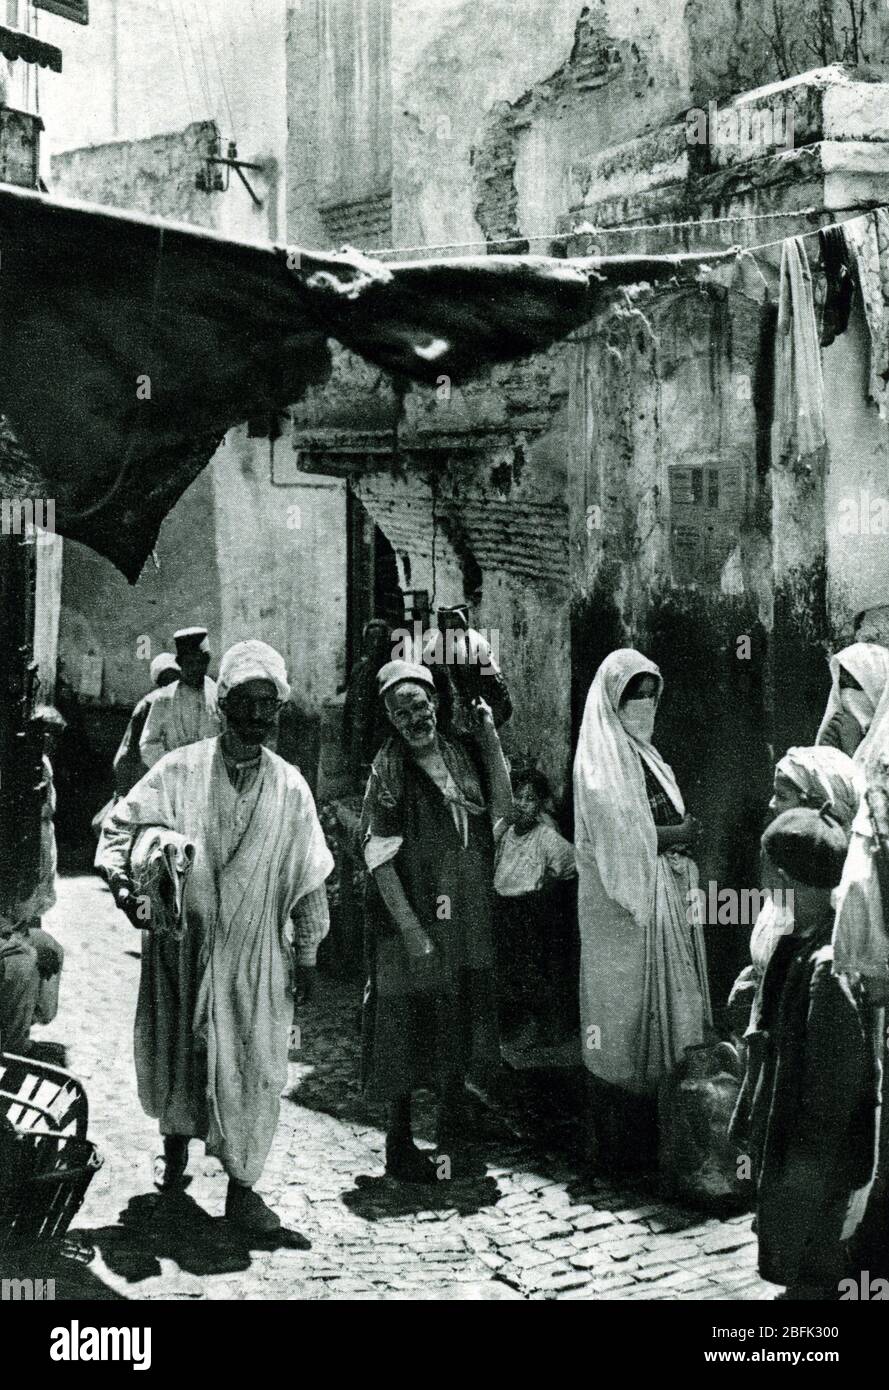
column 185, row 82
column 637, row 227
column 212, row 35
column 203, row 83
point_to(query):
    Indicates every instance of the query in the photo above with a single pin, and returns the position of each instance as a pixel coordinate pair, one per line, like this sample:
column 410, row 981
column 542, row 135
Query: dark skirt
column 429, row 1038
column 426, row 1032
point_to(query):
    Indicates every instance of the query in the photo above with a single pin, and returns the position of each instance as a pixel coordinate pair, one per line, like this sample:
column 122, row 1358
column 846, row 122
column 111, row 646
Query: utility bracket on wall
column 210, row 178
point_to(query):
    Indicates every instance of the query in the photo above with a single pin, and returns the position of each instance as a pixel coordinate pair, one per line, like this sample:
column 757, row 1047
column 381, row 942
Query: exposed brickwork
column 365, row 223
column 596, row 61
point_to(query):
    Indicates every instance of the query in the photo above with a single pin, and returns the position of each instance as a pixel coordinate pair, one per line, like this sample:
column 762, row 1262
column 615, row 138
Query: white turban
column 252, row 661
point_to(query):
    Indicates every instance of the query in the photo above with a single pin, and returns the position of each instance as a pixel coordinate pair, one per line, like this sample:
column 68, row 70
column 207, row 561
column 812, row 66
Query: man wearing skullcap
column 427, row 823
column 215, row 1011
column 185, row 711
column 128, row 764
column 813, row 1074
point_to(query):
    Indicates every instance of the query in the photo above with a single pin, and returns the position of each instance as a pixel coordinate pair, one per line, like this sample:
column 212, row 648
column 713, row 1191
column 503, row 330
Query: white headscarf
column 869, row 664
column 164, row 661
column 252, row 661
column 824, row 774
column 613, row 820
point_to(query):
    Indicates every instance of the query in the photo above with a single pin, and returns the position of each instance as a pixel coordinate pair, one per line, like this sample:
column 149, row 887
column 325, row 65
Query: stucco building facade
column 623, row 486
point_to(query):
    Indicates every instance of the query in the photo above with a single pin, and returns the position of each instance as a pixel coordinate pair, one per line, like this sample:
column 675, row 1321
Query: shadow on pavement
column 153, row 1228
column 67, row 1265
column 53, row 1054
column 381, row 1198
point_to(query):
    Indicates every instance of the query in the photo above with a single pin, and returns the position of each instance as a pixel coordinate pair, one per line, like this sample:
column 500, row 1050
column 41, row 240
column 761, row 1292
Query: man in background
column 128, row 764
column 365, row 726
column 184, row 712
column 464, row 670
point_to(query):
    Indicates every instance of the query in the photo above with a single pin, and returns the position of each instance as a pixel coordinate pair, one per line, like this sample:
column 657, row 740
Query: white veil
column 613, row 820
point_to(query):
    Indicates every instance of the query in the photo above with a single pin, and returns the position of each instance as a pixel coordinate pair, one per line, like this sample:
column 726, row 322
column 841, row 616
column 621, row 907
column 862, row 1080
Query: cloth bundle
column 160, row 862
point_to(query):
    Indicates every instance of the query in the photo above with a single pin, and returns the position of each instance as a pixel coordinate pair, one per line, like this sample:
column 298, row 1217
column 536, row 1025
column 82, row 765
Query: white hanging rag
column 798, row 427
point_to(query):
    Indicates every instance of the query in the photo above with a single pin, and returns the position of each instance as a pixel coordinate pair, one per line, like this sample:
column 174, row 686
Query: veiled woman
column 858, row 705
column 643, row 980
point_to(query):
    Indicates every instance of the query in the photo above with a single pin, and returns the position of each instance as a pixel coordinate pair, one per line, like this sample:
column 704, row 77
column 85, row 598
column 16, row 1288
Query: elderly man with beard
column 214, row 1009
column 430, row 1004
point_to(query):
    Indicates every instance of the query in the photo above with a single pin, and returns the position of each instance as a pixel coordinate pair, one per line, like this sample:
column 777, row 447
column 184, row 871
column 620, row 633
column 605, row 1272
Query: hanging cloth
column 869, row 239
column 798, row 428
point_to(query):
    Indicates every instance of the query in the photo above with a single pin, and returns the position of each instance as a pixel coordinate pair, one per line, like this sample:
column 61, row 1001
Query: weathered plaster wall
column 857, row 484
column 154, row 175
column 339, row 104
column 280, row 552
column 239, row 565
column 735, row 47
column 452, row 63
column 103, row 615
column 628, row 71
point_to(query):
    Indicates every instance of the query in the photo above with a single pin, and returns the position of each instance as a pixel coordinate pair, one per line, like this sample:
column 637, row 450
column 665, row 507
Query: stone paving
column 533, row 1228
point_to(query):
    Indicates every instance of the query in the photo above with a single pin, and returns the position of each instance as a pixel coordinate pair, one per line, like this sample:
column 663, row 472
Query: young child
column 813, row 1067
column 533, row 863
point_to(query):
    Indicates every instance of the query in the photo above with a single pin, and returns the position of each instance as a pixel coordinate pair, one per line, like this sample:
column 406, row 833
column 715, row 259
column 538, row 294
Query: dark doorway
column 372, row 588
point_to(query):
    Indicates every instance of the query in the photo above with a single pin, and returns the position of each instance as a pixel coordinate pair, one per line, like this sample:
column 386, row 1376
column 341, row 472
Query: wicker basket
column 52, row 1176
column 46, row 1160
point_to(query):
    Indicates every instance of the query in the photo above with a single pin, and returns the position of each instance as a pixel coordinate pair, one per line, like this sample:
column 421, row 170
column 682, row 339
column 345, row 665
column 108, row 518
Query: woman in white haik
column 859, row 705
column 858, row 702
column 643, row 979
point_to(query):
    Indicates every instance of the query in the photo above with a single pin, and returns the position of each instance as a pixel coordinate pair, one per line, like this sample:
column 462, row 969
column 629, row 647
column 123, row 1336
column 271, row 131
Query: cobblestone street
column 532, row 1229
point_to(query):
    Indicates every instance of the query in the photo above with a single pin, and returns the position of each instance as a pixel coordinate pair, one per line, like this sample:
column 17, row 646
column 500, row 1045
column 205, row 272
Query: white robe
column 214, row 1012
column 644, row 995
column 179, row 715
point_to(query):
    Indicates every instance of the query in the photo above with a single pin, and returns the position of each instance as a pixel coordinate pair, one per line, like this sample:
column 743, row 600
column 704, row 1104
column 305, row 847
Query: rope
column 222, row 81
column 185, row 82
column 199, row 72
column 585, row 229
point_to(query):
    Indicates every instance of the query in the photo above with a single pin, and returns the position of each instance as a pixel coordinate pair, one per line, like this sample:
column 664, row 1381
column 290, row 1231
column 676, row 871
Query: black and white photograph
column 444, row 668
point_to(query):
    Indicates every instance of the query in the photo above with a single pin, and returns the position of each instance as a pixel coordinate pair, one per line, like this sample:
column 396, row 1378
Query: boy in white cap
column 215, row 1011
column 186, row 710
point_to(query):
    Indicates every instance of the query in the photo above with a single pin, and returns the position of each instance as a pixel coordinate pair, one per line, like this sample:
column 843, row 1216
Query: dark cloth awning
column 14, row 45
column 129, row 346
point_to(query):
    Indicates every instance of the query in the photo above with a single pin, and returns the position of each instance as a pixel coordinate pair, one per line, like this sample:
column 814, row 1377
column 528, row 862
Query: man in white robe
column 186, row 710
column 215, row 1011
column 128, row 766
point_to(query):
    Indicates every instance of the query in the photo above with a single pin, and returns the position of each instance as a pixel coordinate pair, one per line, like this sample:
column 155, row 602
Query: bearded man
column 430, row 1019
